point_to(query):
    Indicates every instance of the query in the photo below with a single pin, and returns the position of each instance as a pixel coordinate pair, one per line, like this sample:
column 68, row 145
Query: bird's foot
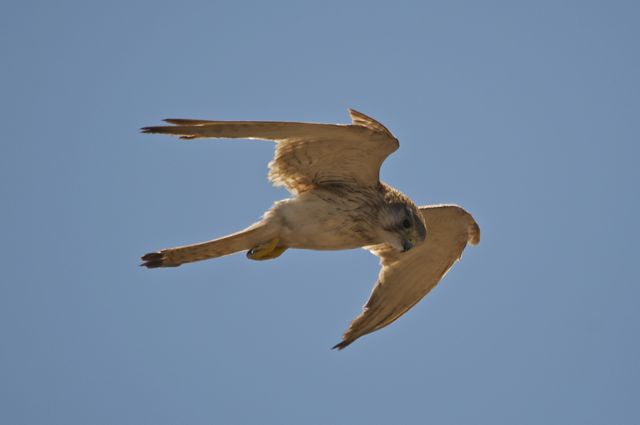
column 267, row 250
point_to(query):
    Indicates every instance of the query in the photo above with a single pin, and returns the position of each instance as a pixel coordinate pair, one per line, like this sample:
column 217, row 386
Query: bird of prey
column 338, row 202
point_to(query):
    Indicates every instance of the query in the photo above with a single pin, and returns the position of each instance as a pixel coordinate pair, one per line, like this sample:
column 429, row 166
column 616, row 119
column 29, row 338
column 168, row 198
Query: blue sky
column 525, row 113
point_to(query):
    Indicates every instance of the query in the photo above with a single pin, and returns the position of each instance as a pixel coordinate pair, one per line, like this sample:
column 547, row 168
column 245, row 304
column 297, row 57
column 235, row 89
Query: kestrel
column 337, row 202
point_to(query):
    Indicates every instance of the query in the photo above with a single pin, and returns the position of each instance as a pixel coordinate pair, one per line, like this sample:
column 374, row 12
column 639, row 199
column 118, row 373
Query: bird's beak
column 407, row 244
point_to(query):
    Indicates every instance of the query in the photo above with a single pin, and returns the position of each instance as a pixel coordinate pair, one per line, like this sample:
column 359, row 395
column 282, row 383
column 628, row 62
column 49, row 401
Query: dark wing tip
column 153, row 260
column 181, row 132
column 186, row 121
column 343, row 344
column 156, row 130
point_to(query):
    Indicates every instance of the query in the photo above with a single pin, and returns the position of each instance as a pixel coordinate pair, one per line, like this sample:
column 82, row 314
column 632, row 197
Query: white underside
column 310, row 222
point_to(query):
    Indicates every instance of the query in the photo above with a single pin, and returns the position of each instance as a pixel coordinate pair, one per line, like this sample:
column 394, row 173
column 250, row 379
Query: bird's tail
column 241, row 241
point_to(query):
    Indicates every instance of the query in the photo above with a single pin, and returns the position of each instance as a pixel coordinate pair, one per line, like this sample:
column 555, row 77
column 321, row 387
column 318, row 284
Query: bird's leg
column 277, row 251
column 267, row 250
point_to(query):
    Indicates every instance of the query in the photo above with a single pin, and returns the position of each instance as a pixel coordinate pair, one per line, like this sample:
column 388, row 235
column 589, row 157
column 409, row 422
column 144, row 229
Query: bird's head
column 403, row 225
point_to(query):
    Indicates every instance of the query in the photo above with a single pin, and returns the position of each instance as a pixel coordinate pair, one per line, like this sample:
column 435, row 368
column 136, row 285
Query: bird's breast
column 323, row 222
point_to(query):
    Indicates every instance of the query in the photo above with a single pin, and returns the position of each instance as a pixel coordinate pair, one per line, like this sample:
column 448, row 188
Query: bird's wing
column 307, row 155
column 407, row 277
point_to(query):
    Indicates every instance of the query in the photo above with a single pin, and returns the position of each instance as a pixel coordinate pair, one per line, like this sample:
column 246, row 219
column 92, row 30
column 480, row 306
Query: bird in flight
column 338, row 202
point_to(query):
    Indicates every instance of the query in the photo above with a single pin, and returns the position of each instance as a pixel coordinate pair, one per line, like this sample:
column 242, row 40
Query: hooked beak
column 407, row 244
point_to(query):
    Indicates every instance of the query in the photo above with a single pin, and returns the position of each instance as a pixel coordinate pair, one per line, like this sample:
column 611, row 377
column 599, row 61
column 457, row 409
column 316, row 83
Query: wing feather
column 407, row 277
column 307, row 154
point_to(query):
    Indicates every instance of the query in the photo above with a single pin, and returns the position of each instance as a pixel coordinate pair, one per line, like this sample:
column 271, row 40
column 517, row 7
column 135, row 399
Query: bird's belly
column 319, row 236
column 316, row 224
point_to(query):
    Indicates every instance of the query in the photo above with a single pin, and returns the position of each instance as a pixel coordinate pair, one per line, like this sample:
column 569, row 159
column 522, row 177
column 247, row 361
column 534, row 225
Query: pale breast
column 325, row 219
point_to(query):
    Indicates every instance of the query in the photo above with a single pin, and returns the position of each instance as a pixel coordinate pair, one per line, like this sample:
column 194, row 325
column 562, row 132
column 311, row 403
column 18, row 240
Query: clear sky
column 525, row 113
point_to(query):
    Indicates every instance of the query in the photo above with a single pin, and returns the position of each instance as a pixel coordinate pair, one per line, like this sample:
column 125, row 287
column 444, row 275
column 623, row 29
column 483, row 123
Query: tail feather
column 241, row 241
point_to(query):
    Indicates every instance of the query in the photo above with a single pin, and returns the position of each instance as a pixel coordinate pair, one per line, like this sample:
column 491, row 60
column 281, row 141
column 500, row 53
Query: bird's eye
column 406, row 224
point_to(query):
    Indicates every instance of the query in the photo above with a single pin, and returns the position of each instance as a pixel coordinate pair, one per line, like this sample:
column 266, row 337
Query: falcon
column 338, row 202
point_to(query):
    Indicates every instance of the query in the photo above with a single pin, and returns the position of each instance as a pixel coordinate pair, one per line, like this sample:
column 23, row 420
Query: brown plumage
column 338, row 202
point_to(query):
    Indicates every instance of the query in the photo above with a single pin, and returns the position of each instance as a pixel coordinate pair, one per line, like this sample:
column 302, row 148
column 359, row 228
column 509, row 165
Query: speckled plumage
column 338, row 202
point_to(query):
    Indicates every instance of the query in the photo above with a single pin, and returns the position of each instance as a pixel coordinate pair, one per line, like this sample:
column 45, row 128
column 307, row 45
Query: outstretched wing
column 407, row 277
column 307, row 155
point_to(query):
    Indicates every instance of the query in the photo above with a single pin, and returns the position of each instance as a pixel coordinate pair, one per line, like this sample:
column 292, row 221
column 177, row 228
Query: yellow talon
column 277, row 251
column 267, row 250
